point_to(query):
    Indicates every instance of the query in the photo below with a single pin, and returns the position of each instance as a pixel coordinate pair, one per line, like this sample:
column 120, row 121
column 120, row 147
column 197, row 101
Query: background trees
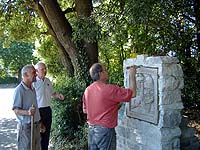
column 154, row 28
column 15, row 56
column 33, row 19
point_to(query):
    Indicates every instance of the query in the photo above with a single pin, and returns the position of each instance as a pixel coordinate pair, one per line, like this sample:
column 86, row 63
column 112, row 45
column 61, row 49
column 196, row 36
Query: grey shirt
column 23, row 98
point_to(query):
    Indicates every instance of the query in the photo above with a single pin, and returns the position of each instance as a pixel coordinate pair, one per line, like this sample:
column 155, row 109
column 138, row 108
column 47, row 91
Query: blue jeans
column 101, row 138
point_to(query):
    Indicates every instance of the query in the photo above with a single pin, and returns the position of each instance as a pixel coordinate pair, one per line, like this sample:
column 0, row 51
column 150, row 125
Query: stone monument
column 151, row 120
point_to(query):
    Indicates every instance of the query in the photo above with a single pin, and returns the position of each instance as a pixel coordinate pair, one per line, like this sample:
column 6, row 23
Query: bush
column 191, row 92
column 8, row 80
column 68, row 119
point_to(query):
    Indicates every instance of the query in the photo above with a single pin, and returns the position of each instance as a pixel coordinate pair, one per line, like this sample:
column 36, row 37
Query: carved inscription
column 145, row 105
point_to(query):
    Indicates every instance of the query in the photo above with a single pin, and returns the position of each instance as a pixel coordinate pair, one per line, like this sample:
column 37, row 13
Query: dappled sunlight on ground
column 8, row 133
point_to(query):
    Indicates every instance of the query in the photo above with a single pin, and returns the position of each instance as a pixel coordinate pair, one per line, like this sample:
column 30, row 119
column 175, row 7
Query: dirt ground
column 194, row 122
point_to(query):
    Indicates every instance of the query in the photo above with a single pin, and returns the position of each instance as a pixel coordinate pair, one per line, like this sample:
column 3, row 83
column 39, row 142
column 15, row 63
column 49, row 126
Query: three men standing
column 100, row 103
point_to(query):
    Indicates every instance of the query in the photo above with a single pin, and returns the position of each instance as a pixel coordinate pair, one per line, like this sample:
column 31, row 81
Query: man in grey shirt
column 23, row 99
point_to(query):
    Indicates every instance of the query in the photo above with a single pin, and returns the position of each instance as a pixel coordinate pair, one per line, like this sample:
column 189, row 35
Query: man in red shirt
column 101, row 103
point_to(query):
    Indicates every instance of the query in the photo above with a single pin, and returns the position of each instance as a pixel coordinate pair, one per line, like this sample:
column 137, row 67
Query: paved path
column 8, row 132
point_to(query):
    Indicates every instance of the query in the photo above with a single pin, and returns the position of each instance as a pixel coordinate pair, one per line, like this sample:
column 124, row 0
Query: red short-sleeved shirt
column 101, row 102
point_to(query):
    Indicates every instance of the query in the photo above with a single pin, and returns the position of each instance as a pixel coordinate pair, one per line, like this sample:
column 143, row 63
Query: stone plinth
column 154, row 123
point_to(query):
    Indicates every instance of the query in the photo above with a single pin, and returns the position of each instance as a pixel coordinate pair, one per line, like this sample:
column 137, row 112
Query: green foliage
column 153, row 28
column 16, row 55
column 80, row 141
column 18, row 21
column 3, row 73
column 87, row 29
column 83, row 73
column 67, row 114
column 48, row 53
column 8, row 80
column 116, row 75
column 190, row 93
column 81, row 138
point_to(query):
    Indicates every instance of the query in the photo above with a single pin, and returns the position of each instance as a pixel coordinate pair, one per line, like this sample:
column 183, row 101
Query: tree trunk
column 63, row 54
column 84, row 8
column 61, row 28
column 61, row 31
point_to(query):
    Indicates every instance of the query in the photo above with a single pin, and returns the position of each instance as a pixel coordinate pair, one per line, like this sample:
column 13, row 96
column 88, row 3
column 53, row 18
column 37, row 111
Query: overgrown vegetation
column 68, row 129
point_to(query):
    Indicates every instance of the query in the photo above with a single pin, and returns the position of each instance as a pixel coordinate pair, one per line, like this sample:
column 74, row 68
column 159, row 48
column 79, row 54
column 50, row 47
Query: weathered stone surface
column 154, row 124
column 169, row 118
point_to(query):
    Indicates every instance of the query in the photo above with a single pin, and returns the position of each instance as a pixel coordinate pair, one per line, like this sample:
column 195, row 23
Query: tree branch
column 69, row 10
column 63, row 54
column 39, row 9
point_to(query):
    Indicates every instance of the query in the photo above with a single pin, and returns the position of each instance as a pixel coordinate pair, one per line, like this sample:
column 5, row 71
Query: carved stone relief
column 144, row 105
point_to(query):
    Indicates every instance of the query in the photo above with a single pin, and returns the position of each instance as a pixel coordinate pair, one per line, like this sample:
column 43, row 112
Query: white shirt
column 44, row 91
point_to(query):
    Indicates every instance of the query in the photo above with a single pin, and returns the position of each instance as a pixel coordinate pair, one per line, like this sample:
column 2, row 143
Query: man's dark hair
column 95, row 69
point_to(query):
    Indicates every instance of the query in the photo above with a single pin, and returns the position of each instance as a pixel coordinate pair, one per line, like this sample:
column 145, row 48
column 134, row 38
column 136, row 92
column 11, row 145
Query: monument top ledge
column 144, row 60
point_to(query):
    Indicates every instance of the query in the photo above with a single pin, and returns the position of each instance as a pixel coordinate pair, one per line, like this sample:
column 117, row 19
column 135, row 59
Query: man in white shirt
column 44, row 92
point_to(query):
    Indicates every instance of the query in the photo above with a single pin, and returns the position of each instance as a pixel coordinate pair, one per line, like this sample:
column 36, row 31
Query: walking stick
column 32, row 132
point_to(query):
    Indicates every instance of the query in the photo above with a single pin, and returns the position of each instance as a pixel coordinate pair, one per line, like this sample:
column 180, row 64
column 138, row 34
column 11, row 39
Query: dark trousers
column 46, row 118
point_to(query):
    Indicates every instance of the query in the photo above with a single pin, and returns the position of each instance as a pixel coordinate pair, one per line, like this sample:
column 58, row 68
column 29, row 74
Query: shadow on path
column 8, row 134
